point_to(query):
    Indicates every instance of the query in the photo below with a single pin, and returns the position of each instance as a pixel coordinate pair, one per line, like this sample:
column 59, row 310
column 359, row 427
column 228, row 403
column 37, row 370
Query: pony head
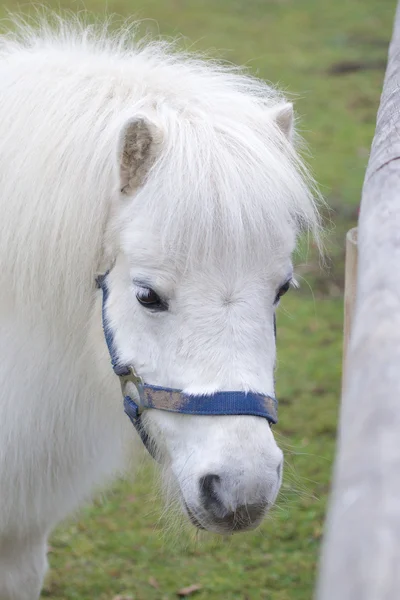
column 212, row 198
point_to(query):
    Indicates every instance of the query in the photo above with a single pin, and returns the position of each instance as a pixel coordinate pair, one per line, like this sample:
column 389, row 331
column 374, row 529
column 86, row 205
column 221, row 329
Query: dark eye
column 282, row 291
column 150, row 299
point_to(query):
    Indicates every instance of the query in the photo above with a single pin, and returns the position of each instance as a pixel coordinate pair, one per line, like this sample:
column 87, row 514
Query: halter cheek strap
column 172, row 400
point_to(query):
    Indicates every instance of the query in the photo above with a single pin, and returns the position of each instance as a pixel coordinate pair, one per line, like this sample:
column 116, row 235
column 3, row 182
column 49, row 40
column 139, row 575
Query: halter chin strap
column 172, row 400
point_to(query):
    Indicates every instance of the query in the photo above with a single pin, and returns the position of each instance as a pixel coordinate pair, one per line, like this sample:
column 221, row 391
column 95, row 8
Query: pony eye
column 150, row 299
column 282, row 291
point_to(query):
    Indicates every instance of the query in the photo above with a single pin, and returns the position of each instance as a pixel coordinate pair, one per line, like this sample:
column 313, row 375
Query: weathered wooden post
column 361, row 550
column 350, row 288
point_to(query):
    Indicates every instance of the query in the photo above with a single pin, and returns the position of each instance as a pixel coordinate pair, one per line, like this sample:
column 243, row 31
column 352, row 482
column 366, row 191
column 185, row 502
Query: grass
column 330, row 56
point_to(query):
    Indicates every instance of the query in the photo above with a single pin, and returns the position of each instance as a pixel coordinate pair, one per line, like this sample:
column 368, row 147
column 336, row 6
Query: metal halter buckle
column 135, row 379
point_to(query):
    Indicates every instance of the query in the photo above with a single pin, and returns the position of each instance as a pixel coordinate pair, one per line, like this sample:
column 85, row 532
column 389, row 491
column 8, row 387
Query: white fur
column 210, row 225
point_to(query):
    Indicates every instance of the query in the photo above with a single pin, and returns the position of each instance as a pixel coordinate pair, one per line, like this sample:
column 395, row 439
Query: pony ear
column 138, row 148
column 283, row 116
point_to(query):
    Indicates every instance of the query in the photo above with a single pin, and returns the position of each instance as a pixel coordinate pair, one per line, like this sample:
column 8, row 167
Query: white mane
column 225, row 173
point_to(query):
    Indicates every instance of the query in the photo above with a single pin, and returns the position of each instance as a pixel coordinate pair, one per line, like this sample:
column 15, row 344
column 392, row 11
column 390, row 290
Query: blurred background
column 329, row 56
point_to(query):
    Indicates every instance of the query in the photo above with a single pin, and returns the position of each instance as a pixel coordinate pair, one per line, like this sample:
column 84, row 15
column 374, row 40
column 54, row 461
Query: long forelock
column 227, row 182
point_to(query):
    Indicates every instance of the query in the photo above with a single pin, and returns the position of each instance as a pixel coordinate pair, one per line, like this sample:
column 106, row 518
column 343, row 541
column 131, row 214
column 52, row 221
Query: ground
column 330, row 55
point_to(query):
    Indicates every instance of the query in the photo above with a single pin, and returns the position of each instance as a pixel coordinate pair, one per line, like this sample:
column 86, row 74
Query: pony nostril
column 279, row 469
column 227, row 515
column 207, row 483
column 209, row 490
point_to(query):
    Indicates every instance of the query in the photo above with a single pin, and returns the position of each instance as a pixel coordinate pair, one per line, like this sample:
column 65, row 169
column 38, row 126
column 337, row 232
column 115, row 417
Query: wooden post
column 350, row 286
column 361, row 550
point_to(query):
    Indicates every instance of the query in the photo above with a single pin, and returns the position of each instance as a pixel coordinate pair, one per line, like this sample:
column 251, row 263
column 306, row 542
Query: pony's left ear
column 283, row 116
column 138, row 148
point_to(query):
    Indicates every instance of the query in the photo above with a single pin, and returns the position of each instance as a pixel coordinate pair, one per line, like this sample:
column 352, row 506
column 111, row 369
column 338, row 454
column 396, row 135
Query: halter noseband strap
column 172, row 400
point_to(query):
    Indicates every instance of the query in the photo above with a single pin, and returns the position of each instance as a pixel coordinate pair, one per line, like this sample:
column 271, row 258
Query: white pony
column 180, row 177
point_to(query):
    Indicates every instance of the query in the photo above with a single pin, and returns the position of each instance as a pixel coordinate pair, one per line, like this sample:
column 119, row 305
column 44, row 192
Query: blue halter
column 172, row 400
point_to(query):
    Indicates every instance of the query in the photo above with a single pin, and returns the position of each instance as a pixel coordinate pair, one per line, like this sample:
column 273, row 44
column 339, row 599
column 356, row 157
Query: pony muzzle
column 216, row 514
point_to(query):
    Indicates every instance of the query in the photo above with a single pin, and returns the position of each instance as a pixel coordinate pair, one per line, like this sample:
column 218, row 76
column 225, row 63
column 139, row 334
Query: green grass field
column 330, row 55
